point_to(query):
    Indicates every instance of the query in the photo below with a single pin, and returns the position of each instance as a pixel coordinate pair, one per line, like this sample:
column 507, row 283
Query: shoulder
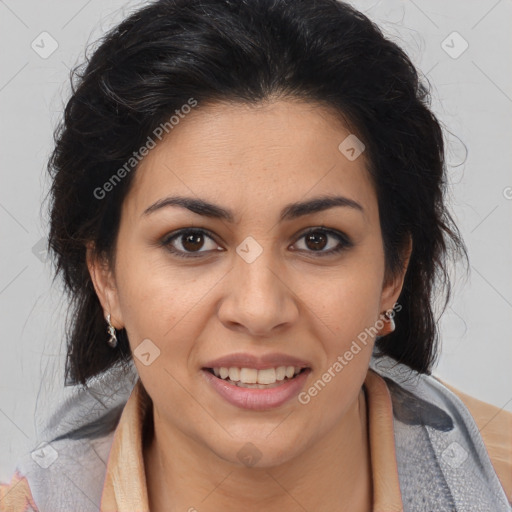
column 495, row 427
column 462, row 443
column 69, row 466
column 16, row 496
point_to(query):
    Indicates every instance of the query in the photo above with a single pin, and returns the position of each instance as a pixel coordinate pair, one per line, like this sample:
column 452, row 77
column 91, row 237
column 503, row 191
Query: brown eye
column 192, row 242
column 186, row 242
column 316, row 240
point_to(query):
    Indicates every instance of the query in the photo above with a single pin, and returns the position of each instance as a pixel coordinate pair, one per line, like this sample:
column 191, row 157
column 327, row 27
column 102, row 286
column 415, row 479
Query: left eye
column 316, row 240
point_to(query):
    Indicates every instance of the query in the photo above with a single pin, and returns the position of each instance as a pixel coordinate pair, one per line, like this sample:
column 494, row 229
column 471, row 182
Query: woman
column 248, row 212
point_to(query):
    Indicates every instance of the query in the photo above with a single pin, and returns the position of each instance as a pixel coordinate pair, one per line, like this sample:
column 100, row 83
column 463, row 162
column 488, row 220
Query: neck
column 331, row 475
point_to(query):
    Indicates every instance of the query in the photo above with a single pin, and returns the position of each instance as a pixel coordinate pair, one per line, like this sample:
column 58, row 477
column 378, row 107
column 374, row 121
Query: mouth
column 253, row 378
column 256, row 381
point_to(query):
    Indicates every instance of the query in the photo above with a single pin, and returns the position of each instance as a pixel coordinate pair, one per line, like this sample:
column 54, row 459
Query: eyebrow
column 289, row 212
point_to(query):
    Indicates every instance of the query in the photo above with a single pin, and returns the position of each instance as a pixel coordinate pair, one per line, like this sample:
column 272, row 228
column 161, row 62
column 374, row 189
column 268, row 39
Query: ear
column 103, row 279
column 392, row 286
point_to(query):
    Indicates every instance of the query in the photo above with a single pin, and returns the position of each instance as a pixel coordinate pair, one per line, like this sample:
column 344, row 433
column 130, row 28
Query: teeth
column 267, row 376
column 249, row 375
column 280, row 372
column 234, row 374
column 264, row 377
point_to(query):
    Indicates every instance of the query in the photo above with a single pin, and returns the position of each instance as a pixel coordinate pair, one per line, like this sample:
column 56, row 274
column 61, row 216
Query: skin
column 253, row 160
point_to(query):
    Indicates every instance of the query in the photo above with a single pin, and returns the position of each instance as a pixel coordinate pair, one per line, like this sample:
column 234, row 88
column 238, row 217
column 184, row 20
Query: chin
column 258, row 451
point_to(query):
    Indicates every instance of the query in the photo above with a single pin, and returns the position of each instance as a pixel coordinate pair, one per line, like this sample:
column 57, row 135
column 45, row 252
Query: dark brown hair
column 247, row 51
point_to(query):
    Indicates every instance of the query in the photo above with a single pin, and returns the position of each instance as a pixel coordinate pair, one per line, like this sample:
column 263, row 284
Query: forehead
column 273, row 152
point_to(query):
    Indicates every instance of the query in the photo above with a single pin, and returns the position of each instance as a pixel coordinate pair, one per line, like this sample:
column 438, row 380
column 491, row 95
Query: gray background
column 472, row 95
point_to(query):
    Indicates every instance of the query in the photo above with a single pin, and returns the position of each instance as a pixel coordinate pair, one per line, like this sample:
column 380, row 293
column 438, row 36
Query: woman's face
column 243, row 279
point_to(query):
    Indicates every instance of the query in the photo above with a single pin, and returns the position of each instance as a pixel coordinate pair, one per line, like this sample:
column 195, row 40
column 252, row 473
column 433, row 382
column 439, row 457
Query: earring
column 112, row 341
column 389, row 324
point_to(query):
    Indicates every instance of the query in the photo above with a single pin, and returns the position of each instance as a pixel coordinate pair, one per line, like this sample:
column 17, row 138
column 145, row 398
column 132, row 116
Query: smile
column 249, row 388
column 251, row 377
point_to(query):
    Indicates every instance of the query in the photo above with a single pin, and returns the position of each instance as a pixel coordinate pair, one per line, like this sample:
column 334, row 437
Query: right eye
column 185, row 242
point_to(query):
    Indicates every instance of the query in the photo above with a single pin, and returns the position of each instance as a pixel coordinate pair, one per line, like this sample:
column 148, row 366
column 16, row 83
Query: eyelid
column 175, row 234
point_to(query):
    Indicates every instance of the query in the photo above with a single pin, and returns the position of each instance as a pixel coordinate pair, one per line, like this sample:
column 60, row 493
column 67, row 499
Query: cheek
column 162, row 301
column 149, row 291
column 149, row 302
column 352, row 316
column 347, row 300
column 346, row 314
column 345, row 309
column 159, row 308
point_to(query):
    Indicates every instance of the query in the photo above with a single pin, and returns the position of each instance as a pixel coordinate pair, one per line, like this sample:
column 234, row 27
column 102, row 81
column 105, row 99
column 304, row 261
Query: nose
column 259, row 301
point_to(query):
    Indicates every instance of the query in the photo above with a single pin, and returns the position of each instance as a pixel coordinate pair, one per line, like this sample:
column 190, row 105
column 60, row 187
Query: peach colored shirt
column 124, row 489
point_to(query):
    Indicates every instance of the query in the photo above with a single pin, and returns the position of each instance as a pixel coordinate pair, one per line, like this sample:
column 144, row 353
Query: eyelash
column 344, row 241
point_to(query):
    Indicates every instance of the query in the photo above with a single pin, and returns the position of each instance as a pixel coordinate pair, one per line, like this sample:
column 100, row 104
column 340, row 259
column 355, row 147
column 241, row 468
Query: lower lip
column 257, row 399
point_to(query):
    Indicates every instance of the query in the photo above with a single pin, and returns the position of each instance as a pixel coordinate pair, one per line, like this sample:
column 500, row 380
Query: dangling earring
column 112, row 341
column 389, row 324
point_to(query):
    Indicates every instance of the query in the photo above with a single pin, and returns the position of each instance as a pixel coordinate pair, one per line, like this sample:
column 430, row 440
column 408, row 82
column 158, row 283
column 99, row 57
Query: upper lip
column 244, row 360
